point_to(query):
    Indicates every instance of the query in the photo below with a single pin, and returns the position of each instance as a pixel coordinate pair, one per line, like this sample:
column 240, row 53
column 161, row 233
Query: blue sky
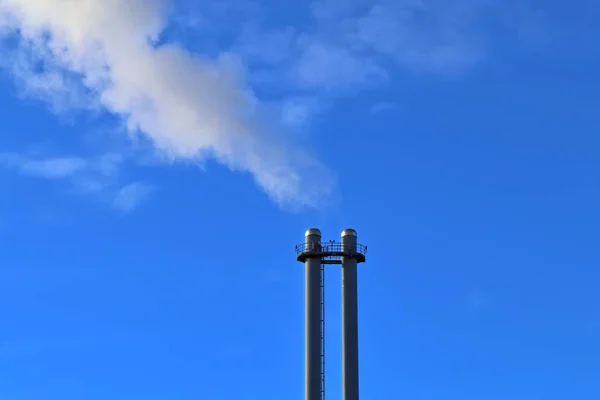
column 161, row 160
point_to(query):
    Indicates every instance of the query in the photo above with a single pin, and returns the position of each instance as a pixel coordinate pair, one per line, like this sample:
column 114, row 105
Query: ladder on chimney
column 322, row 331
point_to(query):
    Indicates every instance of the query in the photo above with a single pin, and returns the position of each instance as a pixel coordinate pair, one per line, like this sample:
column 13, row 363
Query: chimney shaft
column 312, row 264
column 349, row 316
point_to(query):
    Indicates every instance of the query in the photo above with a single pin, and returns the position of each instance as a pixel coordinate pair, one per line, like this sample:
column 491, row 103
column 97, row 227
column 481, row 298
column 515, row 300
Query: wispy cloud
column 297, row 111
column 130, row 196
column 190, row 107
column 352, row 45
column 98, row 176
column 51, row 168
column 361, row 39
column 333, row 68
column 441, row 37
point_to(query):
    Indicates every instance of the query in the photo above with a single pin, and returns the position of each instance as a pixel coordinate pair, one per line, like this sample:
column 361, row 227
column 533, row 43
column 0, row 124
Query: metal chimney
column 314, row 368
column 349, row 315
column 315, row 255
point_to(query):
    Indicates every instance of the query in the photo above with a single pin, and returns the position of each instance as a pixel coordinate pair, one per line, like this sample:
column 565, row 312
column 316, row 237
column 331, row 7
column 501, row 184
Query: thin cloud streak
column 52, row 168
column 130, row 196
column 96, row 176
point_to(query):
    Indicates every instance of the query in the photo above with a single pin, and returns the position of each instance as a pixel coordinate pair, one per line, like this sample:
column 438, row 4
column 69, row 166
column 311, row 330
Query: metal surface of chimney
column 313, row 368
column 315, row 255
column 349, row 316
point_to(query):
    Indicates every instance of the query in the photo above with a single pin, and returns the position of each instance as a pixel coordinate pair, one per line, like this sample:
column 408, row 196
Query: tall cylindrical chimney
column 349, row 315
column 312, row 388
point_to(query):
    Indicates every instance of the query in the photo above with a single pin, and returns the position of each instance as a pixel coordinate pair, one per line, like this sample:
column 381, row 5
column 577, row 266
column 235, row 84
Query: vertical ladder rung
column 322, row 331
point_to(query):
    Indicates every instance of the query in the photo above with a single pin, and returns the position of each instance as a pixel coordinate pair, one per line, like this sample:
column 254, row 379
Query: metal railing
column 330, row 248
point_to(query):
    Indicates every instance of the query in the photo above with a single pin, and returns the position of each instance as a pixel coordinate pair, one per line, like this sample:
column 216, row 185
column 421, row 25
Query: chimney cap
column 312, row 231
column 349, row 232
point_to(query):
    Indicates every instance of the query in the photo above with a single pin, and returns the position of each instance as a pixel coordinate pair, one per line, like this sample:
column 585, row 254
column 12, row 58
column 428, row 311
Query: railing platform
column 330, row 252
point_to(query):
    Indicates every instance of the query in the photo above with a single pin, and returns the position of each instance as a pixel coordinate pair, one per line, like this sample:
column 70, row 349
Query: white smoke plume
column 189, row 106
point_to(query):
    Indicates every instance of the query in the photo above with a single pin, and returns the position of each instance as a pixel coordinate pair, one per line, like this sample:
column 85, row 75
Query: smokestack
column 316, row 255
column 349, row 315
column 313, row 315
